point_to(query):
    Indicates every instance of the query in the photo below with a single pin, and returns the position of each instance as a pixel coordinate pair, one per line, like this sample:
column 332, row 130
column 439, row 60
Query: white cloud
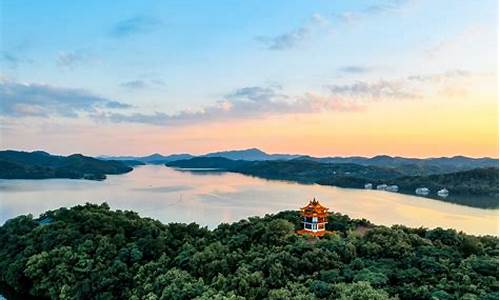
column 134, row 25
column 243, row 103
column 247, row 102
column 294, row 37
column 33, row 99
column 71, row 59
column 382, row 89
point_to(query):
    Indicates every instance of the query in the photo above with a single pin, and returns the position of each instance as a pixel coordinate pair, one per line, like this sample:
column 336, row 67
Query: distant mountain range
column 155, row 158
column 41, row 165
column 407, row 166
column 247, row 154
column 250, row 154
column 415, row 166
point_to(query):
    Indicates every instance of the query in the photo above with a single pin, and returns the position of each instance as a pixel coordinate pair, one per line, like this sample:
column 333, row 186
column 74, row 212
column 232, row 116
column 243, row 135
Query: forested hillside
column 40, row 165
column 92, row 252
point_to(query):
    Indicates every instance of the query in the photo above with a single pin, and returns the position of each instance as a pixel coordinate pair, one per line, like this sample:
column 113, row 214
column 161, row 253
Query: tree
column 359, row 291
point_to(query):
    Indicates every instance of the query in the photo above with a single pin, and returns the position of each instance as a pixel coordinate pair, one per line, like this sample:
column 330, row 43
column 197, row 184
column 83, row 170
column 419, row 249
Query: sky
column 411, row 78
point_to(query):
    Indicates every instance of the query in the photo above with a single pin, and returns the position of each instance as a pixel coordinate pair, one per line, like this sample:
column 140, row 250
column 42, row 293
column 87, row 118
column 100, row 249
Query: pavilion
column 314, row 217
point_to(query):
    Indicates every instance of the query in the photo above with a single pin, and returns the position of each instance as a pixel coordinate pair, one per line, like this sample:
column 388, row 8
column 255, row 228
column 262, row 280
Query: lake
column 209, row 198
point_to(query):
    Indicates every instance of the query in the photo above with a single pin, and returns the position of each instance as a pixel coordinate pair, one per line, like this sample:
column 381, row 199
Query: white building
column 381, row 187
column 392, row 188
column 368, row 186
column 422, row 191
column 443, row 193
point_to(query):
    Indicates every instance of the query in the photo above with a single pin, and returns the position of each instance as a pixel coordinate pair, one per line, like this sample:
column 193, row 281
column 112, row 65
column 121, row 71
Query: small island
column 93, row 252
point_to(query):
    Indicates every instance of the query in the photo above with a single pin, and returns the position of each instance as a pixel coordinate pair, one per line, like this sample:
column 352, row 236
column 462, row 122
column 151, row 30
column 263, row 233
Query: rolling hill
column 41, row 165
column 93, row 252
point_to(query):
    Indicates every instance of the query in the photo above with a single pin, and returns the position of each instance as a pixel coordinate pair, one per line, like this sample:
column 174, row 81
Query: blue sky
column 168, row 63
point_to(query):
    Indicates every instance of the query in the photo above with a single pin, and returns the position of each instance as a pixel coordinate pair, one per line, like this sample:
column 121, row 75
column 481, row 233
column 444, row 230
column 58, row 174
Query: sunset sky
column 320, row 77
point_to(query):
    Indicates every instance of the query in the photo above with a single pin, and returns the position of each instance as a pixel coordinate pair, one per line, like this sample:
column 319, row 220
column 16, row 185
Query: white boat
column 443, row 193
column 422, row 191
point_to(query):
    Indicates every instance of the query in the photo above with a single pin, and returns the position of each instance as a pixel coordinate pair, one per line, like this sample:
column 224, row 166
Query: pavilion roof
column 314, row 208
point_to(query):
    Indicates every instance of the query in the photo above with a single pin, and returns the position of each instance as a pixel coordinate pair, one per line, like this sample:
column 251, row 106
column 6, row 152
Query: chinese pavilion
column 314, row 218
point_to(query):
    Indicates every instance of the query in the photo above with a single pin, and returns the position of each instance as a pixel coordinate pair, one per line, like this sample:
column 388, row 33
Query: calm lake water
column 209, row 198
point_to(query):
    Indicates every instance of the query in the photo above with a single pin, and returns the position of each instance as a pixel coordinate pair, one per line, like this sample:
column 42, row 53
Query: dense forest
column 476, row 187
column 92, row 252
column 41, row 165
column 417, row 166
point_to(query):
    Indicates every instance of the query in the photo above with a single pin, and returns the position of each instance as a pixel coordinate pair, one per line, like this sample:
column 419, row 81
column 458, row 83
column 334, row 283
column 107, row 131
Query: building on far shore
column 368, row 186
column 381, row 187
column 392, row 188
column 422, row 191
column 443, row 193
column 314, row 217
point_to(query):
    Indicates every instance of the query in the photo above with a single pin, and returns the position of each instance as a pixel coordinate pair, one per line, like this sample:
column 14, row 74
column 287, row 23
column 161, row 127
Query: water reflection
column 211, row 198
